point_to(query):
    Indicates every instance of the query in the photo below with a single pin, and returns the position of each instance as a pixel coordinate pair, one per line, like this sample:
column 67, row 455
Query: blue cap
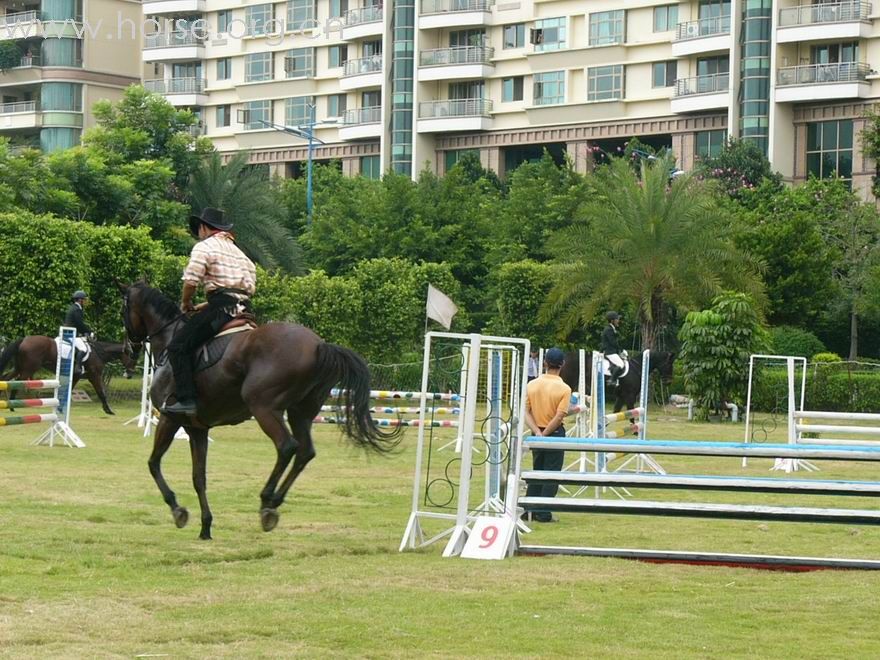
column 554, row 357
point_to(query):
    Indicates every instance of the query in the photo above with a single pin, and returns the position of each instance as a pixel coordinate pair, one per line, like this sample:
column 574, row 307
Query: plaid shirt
column 218, row 263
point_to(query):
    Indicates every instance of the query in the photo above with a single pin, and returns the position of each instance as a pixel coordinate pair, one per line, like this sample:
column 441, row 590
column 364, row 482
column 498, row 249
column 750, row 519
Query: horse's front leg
column 94, row 376
column 164, row 436
column 198, row 446
column 272, row 424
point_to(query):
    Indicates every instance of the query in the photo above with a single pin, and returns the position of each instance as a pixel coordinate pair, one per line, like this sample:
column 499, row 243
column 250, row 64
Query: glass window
column 338, row 8
column 61, row 52
column 710, row 143
column 549, row 88
column 56, row 139
column 605, row 83
column 257, row 66
column 256, row 18
column 665, row 18
column 298, row 12
column 336, row 105
column 606, row 27
column 224, row 68
column 224, row 115
column 257, row 112
column 549, row 34
column 299, row 111
column 830, row 149
column 224, row 18
column 515, row 36
column 337, row 57
column 371, row 99
column 300, row 63
column 371, row 167
column 61, row 96
column 461, row 38
column 512, row 89
column 707, row 66
column 664, row 74
column 714, row 8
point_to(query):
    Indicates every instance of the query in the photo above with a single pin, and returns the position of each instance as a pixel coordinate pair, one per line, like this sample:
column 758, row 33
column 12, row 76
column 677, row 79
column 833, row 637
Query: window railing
column 172, row 39
column 837, row 12
column 197, row 130
column 448, row 6
column 457, row 55
column 17, row 107
column 710, row 84
column 358, row 67
column 455, row 108
column 370, row 115
column 704, row 27
column 819, row 74
column 29, row 60
column 176, row 85
column 361, row 15
column 19, row 17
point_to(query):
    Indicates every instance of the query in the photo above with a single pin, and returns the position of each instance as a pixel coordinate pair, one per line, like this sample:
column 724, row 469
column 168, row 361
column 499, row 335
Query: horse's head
column 130, row 354
column 133, row 320
column 663, row 362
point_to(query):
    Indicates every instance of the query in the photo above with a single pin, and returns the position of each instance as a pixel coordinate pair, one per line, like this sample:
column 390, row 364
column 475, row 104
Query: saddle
column 210, row 353
column 606, row 366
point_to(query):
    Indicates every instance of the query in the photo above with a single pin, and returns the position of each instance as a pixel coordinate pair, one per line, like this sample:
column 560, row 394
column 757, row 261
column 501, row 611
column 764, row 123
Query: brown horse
column 264, row 373
column 34, row 352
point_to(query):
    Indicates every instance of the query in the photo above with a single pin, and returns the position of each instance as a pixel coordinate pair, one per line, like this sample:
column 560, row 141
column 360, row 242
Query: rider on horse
column 229, row 278
column 610, row 347
column 75, row 318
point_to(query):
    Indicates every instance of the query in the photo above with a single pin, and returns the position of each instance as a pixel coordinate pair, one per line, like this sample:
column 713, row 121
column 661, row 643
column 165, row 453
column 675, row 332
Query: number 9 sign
column 489, row 538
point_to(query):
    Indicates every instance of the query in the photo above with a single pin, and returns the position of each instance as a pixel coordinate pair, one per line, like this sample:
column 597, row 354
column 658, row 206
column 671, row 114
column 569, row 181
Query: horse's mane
column 162, row 304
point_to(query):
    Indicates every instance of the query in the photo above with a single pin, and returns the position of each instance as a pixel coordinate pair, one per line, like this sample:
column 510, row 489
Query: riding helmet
column 612, row 316
column 79, row 295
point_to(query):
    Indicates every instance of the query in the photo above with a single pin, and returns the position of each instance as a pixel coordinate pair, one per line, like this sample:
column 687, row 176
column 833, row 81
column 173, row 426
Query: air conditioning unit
column 692, row 30
column 536, row 36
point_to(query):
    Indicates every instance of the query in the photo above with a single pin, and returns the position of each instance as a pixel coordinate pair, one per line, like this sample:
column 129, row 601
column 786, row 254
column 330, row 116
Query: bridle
column 139, row 343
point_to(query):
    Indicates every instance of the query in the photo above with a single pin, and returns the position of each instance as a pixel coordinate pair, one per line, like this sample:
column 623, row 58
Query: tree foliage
column 10, row 55
column 741, row 166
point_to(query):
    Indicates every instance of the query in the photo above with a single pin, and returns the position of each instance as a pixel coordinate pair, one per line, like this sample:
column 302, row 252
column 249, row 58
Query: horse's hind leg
column 301, row 425
column 94, row 376
column 164, row 436
column 198, row 446
column 272, row 423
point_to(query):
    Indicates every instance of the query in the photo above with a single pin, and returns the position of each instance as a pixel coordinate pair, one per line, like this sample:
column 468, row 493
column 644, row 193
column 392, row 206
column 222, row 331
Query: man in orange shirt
column 547, row 402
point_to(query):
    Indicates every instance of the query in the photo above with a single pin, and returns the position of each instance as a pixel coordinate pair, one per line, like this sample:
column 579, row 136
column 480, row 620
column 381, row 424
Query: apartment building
column 417, row 83
column 65, row 68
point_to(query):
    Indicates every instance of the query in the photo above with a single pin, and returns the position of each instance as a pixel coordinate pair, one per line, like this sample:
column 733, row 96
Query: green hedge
column 830, row 387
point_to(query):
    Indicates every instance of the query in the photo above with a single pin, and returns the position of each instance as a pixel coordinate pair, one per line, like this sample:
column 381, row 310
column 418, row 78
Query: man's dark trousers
column 546, row 459
column 195, row 332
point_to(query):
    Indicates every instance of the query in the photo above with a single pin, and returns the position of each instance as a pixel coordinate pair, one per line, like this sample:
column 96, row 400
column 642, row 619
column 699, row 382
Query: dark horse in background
column 30, row 354
column 628, row 387
column 264, row 373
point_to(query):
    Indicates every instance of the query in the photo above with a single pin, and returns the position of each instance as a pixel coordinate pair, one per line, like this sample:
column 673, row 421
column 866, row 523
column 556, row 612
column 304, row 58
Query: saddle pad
column 84, row 348
column 210, row 354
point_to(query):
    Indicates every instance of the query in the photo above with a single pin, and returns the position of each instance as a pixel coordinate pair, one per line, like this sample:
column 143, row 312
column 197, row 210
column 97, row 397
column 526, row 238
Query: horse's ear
column 145, row 279
column 120, row 285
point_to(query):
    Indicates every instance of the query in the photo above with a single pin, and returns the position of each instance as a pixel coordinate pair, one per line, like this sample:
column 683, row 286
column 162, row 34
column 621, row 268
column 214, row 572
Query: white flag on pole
column 440, row 307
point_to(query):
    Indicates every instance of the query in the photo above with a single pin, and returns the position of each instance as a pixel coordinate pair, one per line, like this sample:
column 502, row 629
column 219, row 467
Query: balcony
column 362, row 73
column 701, row 93
column 28, row 61
column 19, row 115
column 361, row 123
column 818, row 82
column 173, row 47
column 456, row 63
column 181, row 92
column 184, row 7
column 839, row 20
column 362, row 22
column 454, row 13
column 197, row 130
column 454, row 115
column 19, row 19
column 706, row 35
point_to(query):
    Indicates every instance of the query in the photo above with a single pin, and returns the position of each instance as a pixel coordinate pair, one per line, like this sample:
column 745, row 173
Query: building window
column 371, row 167
column 299, row 12
column 549, row 34
column 709, row 144
column 337, row 57
column 300, row 63
column 299, row 111
column 549, row 88
column 338, row 8
column 224, row 18
column 257, row 67
column 224, row 115
column 664, row 74
column 606, row 27
column 61, row 96
column 512, row 89
column 224, row 68
column 257, row 112
column 336, row 105
column 371, row 99
column 256, row 19
column 515, row 36
column 454, row 155
column 830, row 149
column 665, row 18
column 605, row 83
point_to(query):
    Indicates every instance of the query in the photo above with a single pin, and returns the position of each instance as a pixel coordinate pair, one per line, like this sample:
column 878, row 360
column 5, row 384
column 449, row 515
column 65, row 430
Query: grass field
column 92, row 566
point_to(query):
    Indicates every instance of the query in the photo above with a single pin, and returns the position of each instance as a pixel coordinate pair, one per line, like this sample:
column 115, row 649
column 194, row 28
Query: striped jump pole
column 412, row 396
column 436, row 423
column 61, row 387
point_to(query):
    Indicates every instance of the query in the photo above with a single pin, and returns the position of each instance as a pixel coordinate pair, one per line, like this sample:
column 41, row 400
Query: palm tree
column 648, row 242
column 248, row 200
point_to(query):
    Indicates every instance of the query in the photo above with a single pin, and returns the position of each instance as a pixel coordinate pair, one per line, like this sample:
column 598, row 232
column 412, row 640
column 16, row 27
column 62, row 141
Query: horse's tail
column 347, row 370
column 8, row 355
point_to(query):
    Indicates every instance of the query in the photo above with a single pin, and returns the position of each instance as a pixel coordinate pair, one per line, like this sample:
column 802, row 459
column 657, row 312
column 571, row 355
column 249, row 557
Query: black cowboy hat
column 211, row 217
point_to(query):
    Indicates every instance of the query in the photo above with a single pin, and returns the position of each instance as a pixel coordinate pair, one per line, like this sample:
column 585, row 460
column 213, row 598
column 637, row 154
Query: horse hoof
column 108, row 411
column 269, row 519
column 204, row 537
column 181, row 517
